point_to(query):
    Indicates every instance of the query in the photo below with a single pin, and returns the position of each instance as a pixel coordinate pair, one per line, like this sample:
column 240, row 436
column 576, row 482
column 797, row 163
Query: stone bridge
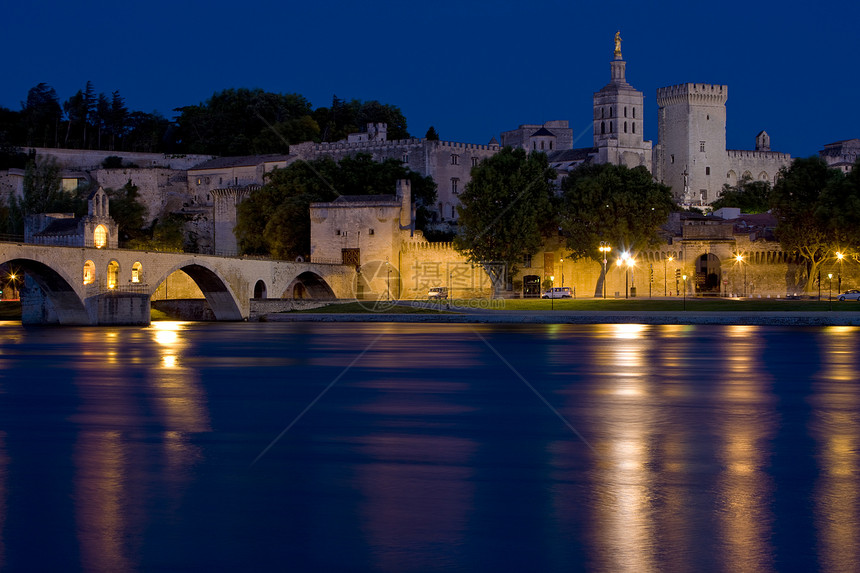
column 89, row 286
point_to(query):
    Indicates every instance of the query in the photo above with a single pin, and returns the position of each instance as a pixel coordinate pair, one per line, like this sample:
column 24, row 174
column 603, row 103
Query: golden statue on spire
column 618, row 43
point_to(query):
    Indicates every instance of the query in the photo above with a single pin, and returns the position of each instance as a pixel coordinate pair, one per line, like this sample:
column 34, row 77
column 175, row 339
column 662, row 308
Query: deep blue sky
column 470, row 68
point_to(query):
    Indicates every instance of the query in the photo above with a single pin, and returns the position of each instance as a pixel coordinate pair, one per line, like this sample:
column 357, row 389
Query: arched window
column 260, row 289
column 89, row 272
column 602, row 127
column 112, row 273
column 610, row 113
column 136, row 272
column 100, row 237
column 633, row 125
column 611, row 127
column 602, row 113
column 625, row 127
column 634, row 113
column 625, row 111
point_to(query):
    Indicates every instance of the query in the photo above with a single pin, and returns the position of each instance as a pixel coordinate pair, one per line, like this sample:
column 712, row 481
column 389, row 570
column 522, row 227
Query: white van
column 438, row 293
column 557, row 292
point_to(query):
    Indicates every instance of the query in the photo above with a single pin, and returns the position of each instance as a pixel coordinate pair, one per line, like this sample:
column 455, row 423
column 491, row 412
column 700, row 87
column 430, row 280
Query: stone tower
column 690, row 155
column 618, row 119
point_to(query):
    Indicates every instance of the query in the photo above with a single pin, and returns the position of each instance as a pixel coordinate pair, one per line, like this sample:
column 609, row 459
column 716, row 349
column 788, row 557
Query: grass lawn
column 367, row 308
column 677, row 305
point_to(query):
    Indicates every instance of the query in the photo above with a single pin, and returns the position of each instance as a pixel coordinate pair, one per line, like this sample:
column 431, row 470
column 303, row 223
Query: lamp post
column 830, row 289
column 630, row 263
column 670, row 258
column 551, row 294
column 685, row 291
column 562, row 272
column 388, row 280
column 740, row 259
column 839, row 257
column 604, row 248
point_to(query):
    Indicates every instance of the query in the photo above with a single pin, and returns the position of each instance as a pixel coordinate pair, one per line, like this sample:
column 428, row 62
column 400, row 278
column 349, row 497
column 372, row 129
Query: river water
column 421, row 447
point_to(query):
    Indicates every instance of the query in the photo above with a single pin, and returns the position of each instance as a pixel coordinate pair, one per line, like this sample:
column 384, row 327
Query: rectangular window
column 455, row 159
column 475, row 161
column 672, row 158
column 405, row 158
column 707, row 170
column 455, row 183
column 370, row 232
column 527, row 261
column 702, row 146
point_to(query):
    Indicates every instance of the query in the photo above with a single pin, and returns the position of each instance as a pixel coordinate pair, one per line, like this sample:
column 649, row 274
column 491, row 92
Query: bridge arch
column 218, row 293
column 59, row 303
column 309, row 285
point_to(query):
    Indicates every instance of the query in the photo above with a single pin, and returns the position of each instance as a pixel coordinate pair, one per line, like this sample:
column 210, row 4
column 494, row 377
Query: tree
column 506, row 210
column 117, row 119
column 612, row 203
column 41, row 116
column 809, row 222
column 431, row 134
column 748, row 196
column 128, row 212
column 275, row 220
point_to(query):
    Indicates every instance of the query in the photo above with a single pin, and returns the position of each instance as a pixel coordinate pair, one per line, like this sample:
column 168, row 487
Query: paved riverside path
column 483, row 315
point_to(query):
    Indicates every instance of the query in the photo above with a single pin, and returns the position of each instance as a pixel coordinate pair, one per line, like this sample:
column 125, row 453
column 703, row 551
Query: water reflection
column 4, row 460
column 624, row 520
column 101, row 499
column 836, row 428
column 745, row 425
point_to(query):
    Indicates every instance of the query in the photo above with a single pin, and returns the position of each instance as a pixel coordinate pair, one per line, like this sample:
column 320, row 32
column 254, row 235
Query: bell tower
column 619, row 118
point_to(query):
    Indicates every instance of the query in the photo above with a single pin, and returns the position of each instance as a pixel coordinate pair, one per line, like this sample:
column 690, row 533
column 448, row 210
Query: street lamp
column 630, row 263
column 839, row 257
column 562, row 272
column 830, row 289
column 740, row 259
column 551, row 294
column 685, row 291
column 670, row 258
column 388, row 280
column 604, row 248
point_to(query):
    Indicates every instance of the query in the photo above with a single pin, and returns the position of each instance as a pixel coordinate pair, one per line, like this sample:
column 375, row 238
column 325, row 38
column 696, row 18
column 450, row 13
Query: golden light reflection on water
column 418, row 496
column 4, row 462
column 100, row 499
column 836, row 429
column 745, row 426
column 625, row 514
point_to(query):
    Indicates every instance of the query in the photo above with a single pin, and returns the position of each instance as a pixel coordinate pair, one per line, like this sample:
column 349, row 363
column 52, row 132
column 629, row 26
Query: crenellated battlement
column 394, row 143
column 427, row 246
column 693, row 93
column 758, row 155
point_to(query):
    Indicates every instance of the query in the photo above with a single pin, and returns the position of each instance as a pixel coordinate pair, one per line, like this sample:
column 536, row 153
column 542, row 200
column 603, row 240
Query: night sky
column 472, row 68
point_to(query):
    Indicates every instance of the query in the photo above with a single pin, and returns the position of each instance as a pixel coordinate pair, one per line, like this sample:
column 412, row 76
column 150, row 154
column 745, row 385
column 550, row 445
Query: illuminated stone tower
column 690, row 155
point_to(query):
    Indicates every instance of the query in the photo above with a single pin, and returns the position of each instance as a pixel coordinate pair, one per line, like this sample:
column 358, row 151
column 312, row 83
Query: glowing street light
column 551, row 294
column 839, row 257
column 830, row 289
column 685, row 291
column 740, row 259
column 605, row 248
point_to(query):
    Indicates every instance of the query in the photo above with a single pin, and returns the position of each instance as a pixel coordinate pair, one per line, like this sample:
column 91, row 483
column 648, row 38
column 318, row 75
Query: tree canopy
column 236, row 121
column 275, row 220
column 506, row 209
column 612, row 203
column 818, row 214
column 748, row 196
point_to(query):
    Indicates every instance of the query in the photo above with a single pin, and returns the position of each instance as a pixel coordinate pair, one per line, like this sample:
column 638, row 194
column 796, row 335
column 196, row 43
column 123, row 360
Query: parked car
column 852, row 294
column 557, row 292
column 438, row 293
